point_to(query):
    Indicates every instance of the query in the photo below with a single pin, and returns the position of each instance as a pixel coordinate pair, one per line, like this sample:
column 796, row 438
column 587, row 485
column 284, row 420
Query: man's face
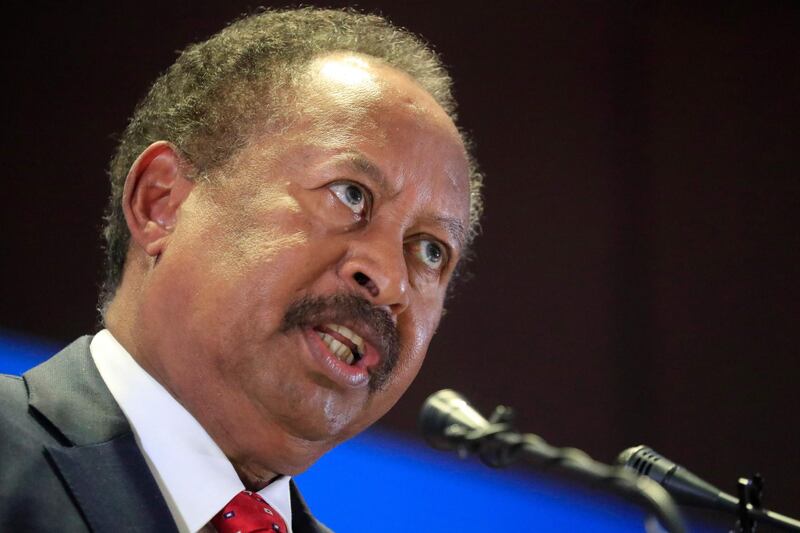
column 298, row 293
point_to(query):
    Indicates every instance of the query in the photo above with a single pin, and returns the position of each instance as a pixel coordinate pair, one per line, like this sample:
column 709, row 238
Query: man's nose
column 375, row 267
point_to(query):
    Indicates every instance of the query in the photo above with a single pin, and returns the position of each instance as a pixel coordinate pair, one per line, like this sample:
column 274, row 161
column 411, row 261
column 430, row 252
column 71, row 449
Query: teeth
column 337, row 348
column 349, row 333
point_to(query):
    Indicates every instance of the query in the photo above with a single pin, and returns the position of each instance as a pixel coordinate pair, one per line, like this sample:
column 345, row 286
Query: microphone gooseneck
column 689, row 489
column 449, row 422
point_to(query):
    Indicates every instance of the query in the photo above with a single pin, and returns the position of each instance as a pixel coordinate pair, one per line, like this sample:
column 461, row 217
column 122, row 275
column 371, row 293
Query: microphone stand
column 749, row 493
column 498, row 446
column 750, row 512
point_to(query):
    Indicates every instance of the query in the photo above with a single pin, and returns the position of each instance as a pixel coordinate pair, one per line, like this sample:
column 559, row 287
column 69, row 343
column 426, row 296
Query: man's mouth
column 343, row 342
column 322, row 317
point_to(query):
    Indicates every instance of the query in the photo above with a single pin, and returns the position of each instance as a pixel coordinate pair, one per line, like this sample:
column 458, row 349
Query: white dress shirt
column 195, row 477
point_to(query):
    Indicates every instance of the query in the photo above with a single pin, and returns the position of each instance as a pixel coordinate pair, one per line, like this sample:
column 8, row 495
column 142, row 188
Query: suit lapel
column 112, row 485
column 100, row 462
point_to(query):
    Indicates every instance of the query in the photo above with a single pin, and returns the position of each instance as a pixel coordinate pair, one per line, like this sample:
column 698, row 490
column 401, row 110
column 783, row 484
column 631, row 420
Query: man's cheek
column 424, row 327
column 425, row 321
column 414, row 347
column 261, row 240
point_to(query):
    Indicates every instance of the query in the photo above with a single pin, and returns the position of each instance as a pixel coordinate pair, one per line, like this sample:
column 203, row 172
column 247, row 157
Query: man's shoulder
column 13, row 394
column 18, row 398
column 24, row 431
column 52, row 408
column 31, row 493
column 22, row 434
column 18, row 424
column 19, row 432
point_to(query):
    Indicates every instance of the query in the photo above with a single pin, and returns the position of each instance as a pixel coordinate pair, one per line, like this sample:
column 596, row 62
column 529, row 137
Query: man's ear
column 156, row 186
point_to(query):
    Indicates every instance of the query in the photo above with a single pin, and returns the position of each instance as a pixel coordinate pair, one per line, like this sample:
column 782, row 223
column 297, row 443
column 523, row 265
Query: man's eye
column 431, row 253
column 352, row 195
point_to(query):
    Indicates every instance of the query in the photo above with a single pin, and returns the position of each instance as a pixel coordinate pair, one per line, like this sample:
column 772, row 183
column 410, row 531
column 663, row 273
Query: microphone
column 442, row 412
column 686, row 487
column 689, row 489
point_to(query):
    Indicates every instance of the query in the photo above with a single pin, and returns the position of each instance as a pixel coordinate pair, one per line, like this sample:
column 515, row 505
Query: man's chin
column 334, row 419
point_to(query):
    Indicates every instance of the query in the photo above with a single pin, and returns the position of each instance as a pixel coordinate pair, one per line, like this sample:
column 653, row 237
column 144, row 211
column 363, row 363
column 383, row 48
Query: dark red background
column 636, row 281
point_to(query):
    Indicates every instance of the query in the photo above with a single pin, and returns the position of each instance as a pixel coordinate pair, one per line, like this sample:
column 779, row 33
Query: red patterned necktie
column 247, row 512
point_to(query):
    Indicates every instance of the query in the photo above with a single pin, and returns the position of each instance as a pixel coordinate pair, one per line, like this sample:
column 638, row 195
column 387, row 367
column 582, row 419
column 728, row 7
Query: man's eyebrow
column 359, row 163
column 455, row 228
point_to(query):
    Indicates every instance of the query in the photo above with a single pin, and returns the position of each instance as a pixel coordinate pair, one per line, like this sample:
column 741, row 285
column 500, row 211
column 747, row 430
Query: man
column 289, row 204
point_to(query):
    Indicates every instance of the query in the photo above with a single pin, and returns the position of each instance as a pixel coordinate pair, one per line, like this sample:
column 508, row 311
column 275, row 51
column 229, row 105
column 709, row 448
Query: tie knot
column 247, row 512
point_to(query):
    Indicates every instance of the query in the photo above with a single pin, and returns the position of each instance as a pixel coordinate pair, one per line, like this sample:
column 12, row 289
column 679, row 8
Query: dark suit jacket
column 69, row 460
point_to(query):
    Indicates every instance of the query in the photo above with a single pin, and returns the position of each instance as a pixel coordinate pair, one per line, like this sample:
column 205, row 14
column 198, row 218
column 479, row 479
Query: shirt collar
column 195, row 477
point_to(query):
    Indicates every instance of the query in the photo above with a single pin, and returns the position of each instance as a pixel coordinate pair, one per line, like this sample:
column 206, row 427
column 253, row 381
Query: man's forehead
column 351, row 81
column 338, row 87
column 347, row 70
column 349, row 98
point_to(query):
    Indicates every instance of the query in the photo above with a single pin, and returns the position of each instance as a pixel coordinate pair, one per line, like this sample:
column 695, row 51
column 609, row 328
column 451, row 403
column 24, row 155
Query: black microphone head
column 682, row 484
column 442, row 410
column 647, row 462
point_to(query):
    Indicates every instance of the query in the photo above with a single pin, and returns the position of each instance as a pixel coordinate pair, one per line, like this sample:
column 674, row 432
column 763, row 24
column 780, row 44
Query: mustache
column 316, row 310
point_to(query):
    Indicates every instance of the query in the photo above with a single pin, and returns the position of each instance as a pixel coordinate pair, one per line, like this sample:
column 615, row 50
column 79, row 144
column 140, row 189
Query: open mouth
column 342, row 341
column 345, row 357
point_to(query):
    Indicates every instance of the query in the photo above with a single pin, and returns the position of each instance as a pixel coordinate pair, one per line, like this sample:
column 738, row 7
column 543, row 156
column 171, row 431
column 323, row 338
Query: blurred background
column 636, row 280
